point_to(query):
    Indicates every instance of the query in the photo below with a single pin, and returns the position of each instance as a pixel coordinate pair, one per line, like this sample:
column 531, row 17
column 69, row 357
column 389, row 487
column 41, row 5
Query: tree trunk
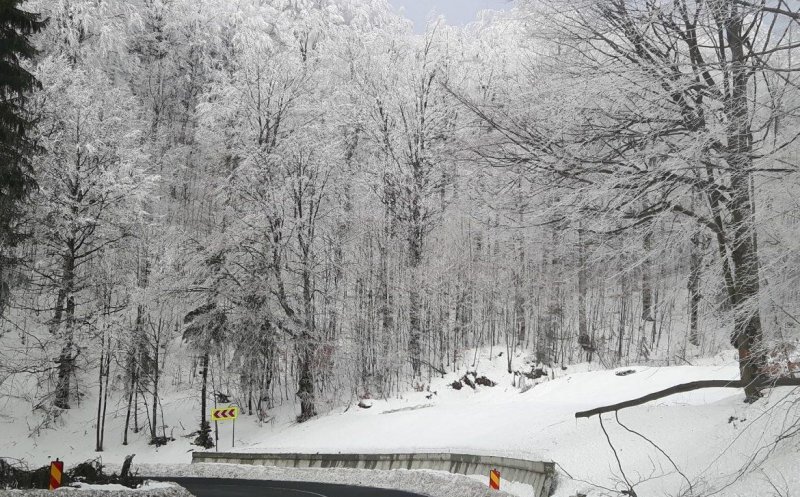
column 385, row 298
column 519, row 303
column 203, row 438
column 153, row 425
column 647, row 284
column 138, row 362
column 66, row 360
column 747, row 332
column 136, row 405
column 130, row 401
column 105, row 396
column 695, row 268
column 306, row 384
column 105, row 370
column 98, row 446
column 414, row 300
column 519, row 270
column 623, row 310
column 204, row 394
column 583, row 326
column 307, row 349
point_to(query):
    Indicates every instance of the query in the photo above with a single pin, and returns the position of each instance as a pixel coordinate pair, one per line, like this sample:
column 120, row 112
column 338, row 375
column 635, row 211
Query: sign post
column 494, row 479
column 56, row 472
column 226, row 414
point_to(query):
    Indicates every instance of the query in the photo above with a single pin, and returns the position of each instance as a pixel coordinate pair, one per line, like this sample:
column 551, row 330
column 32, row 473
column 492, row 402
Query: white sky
column 457, row 12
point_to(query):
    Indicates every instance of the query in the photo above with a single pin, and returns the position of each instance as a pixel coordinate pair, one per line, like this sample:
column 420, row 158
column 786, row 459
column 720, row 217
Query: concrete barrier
column 537, row 474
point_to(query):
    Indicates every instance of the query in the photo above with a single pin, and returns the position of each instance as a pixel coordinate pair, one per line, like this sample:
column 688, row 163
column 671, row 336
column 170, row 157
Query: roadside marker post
column 56, row 472
column 494, row 479
column 226, row 414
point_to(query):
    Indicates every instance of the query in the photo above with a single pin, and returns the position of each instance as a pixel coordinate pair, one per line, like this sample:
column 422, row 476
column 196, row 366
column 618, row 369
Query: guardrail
column 537, row 474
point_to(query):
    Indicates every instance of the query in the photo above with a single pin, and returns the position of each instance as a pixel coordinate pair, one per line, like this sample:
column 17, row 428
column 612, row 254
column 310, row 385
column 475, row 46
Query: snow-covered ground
column 147, row 486
column 149, row 489
column 710, row 435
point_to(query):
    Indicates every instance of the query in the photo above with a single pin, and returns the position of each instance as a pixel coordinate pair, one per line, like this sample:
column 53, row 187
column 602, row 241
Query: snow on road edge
column 423, row 482
column 158, row 490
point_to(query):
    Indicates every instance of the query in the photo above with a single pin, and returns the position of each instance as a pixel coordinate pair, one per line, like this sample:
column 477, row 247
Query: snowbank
column 149, row 489
column 428, row 483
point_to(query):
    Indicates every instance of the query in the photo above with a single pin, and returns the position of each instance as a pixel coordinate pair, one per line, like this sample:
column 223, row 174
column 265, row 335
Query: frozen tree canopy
column 306, row 202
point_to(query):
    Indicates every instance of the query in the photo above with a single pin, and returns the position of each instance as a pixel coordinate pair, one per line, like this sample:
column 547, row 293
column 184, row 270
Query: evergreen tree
column 16, row 147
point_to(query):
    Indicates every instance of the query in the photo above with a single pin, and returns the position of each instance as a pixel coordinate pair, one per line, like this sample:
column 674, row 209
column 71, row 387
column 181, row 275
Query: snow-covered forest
column 304, row 202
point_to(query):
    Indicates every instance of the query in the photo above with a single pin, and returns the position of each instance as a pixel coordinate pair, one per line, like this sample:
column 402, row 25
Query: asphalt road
column 217, row 487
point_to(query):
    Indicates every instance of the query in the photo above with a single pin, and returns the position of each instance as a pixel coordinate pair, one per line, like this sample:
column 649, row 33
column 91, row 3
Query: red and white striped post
column 494, row 479
column 56, row 474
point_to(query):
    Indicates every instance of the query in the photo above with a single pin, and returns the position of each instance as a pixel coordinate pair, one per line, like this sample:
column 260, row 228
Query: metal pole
column 233, row 433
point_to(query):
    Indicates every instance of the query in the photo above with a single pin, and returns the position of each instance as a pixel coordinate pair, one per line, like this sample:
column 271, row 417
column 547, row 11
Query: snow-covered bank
column 148, row 486
column 149, row 489
column 428, row 483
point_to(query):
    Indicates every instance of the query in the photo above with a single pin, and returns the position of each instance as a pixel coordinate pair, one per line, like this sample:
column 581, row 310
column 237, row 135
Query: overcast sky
column 457, row 12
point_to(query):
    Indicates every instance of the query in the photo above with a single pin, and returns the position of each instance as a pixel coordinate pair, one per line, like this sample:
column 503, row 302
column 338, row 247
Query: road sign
column 224, row 413
column 56, row 470
column 229, row 413
column 494, row 479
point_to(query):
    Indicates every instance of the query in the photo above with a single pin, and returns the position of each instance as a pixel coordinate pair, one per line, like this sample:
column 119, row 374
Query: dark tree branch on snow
column 688, row 387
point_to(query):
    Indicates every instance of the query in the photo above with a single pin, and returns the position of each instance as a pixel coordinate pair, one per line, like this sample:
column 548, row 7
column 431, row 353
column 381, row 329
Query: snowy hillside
column 709, row 434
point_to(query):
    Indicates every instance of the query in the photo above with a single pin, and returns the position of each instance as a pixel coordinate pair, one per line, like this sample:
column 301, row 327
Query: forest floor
column 719, row 445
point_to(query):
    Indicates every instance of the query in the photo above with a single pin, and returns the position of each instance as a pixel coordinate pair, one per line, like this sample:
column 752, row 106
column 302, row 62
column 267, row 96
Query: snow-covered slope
column 710, row 435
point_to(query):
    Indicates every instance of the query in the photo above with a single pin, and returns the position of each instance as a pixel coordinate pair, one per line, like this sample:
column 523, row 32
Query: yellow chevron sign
column 224, row 413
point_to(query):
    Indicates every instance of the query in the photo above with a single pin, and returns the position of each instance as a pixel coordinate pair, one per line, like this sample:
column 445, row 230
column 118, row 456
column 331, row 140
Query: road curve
column 218, row 487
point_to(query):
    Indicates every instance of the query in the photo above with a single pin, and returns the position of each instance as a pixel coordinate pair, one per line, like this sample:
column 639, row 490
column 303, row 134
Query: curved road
column 218, row 487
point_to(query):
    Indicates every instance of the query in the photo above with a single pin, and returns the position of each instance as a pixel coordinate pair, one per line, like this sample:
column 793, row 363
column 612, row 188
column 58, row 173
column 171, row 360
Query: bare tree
column 688, row 79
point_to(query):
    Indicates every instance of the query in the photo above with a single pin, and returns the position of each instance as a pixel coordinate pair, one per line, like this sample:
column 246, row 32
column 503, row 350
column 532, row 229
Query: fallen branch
column 688, row 387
